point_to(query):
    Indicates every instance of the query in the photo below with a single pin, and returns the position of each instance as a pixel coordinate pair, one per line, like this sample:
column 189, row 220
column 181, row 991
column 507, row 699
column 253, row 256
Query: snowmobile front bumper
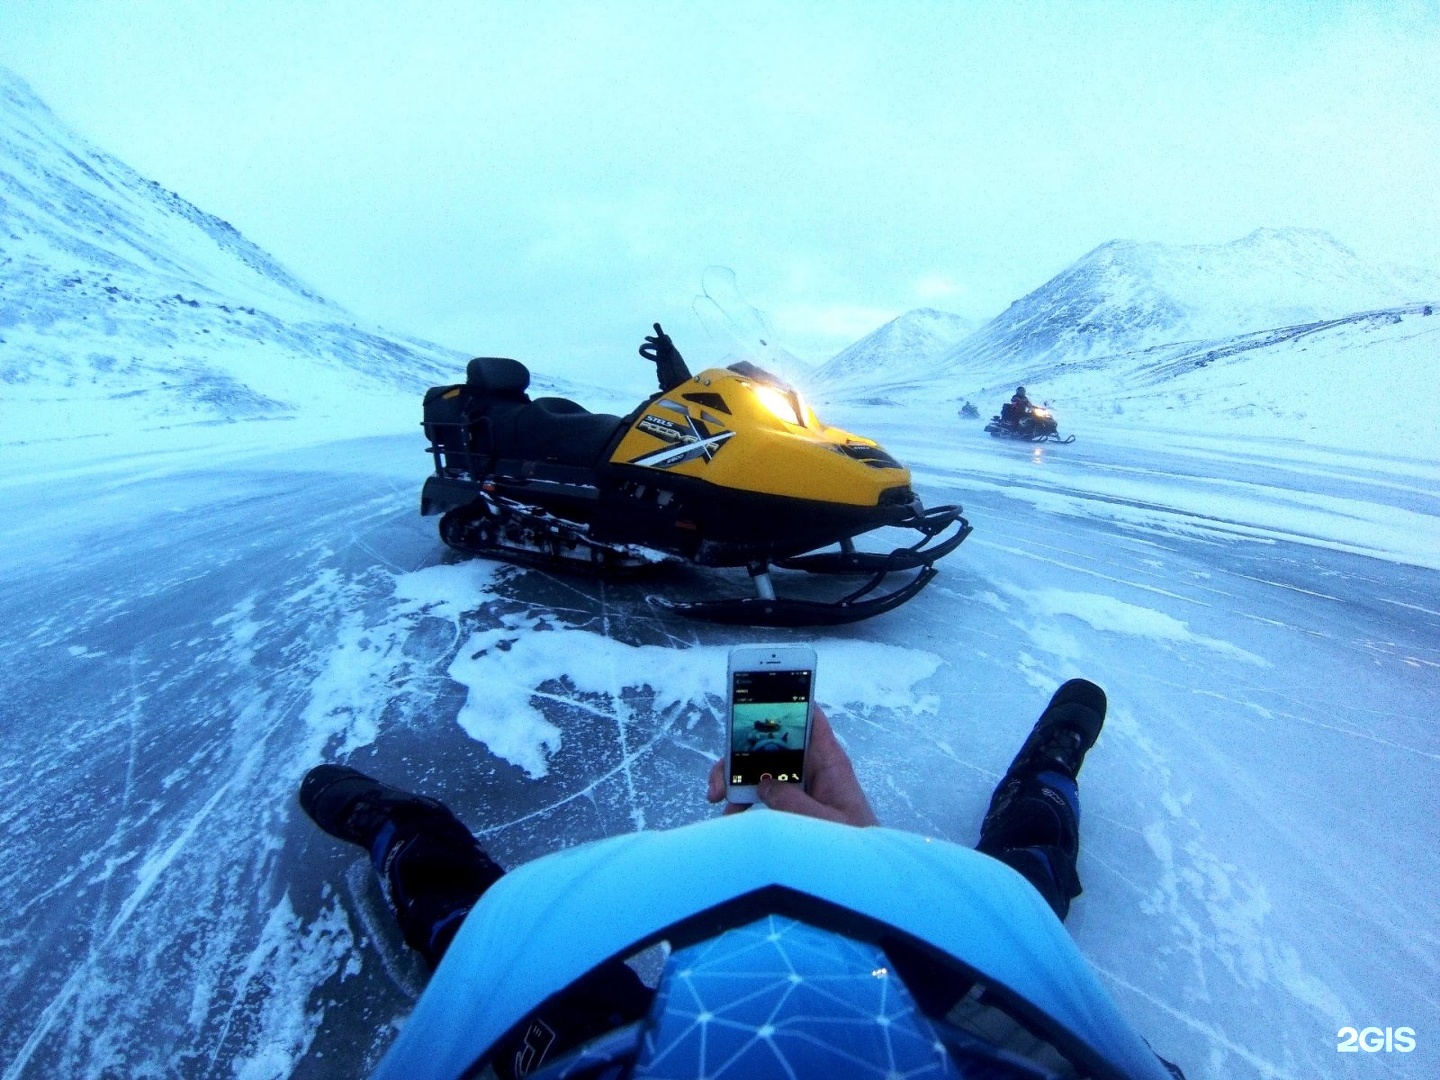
column 767, row 609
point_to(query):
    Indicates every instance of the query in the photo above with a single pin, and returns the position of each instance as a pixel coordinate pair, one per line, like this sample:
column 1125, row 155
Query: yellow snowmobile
column 729, row 467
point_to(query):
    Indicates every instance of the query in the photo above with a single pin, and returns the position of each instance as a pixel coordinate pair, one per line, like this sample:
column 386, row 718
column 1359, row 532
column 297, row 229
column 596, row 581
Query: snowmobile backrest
column 498, row 376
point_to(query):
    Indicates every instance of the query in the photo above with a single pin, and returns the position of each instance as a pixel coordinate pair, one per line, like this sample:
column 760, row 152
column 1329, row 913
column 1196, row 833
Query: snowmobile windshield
column 758, row 374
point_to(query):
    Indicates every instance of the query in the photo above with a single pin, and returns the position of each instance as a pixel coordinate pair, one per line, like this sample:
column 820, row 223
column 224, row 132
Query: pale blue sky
column 545, row 179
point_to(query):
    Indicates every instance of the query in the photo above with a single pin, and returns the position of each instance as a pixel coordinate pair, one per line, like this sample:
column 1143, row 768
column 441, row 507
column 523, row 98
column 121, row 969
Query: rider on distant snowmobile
column 1019, row 406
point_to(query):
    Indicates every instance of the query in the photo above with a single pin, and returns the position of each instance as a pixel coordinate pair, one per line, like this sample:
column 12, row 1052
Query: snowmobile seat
column 560, row 405
column 556, row 429
column 545, row 429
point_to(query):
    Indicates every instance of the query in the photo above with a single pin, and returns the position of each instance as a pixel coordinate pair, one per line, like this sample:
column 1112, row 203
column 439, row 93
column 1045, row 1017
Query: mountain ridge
column 1124, row 295
column 917, row 335
column 129, row 313
column 55, row 180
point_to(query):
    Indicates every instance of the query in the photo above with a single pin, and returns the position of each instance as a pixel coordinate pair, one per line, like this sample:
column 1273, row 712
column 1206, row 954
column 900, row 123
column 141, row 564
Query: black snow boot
column 1033, row 822
column 1066, row 729
column 354, row 807
column 431, row 868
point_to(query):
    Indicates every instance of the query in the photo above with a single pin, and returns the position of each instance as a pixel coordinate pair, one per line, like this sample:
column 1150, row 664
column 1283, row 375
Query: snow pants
column 1033, row 826
column 433, row 871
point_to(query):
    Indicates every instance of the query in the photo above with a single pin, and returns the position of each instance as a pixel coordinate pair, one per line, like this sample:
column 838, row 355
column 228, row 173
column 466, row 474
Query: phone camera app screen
column 768, row 712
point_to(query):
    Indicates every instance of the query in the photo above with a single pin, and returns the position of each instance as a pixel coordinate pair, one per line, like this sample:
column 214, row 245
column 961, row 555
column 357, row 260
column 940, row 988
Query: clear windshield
column 742, row 333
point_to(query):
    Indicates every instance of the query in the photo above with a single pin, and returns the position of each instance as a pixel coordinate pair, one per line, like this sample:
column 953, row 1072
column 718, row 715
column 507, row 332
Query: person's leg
column 1033, row 823
column 1033, row 827
column 431, row 869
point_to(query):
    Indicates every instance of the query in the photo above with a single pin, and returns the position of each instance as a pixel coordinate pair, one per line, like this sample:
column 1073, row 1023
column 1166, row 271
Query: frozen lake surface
column 184, row 642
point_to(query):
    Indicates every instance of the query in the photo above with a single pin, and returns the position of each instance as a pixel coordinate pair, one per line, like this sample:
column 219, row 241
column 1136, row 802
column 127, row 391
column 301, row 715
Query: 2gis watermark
column 1374, row 1040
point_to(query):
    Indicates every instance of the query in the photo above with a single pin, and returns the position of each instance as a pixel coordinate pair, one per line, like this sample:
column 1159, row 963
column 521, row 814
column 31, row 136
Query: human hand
column 834, row 792
column 659, row 346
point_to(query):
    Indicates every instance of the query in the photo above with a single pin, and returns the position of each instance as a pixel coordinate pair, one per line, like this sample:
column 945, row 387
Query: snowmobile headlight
column 784, row 406
column 1043, row 414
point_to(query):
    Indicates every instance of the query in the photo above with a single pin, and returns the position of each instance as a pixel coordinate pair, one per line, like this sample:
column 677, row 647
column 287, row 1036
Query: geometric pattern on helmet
column 780, row 998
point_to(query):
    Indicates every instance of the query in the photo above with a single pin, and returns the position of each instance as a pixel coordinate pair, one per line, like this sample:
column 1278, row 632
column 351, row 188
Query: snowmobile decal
column 687, row 451
column 665, row 429
column 693, row 439
column 713, row 401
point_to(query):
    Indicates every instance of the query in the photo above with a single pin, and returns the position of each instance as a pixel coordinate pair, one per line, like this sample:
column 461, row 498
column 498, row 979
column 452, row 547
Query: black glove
column 669, row 364
column 659, row 346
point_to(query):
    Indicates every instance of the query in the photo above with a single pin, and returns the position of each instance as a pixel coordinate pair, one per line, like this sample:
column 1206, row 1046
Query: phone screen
column 769, row 711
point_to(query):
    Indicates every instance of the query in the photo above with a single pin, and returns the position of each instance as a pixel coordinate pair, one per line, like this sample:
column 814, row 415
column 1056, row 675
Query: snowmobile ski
column 1032, row 425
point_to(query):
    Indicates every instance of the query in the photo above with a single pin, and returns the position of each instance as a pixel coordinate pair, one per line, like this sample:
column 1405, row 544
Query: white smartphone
column 771, row 692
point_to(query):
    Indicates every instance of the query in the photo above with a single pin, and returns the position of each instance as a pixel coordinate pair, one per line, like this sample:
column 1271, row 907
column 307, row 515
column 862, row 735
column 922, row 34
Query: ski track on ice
column 151, row 872
column 1265, row 1069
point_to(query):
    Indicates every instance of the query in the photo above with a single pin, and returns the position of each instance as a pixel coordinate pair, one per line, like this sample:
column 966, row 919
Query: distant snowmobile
column 1034, row 423
column 968, row 411
column 767, row 736
column 726, row 468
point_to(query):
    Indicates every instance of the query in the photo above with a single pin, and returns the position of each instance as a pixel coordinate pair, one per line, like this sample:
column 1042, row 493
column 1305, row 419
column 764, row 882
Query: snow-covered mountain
column 1283, row 332
column 126, row 312
column 1332, row 381
column 903, row 345
column 1125, row 296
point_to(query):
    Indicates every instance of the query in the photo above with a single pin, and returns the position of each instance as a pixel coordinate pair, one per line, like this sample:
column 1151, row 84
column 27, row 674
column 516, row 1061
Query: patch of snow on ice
column 881, row 676
column 505, row 668
column 289, row 961
column 447, row 590
column 1109, row 615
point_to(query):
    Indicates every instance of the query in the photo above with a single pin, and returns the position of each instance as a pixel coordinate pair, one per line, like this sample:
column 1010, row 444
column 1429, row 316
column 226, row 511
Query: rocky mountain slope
column 128, row 314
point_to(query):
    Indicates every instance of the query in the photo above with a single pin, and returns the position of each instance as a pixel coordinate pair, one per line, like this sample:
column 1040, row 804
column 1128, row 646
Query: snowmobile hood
column 550, row 921
column 740, row 429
